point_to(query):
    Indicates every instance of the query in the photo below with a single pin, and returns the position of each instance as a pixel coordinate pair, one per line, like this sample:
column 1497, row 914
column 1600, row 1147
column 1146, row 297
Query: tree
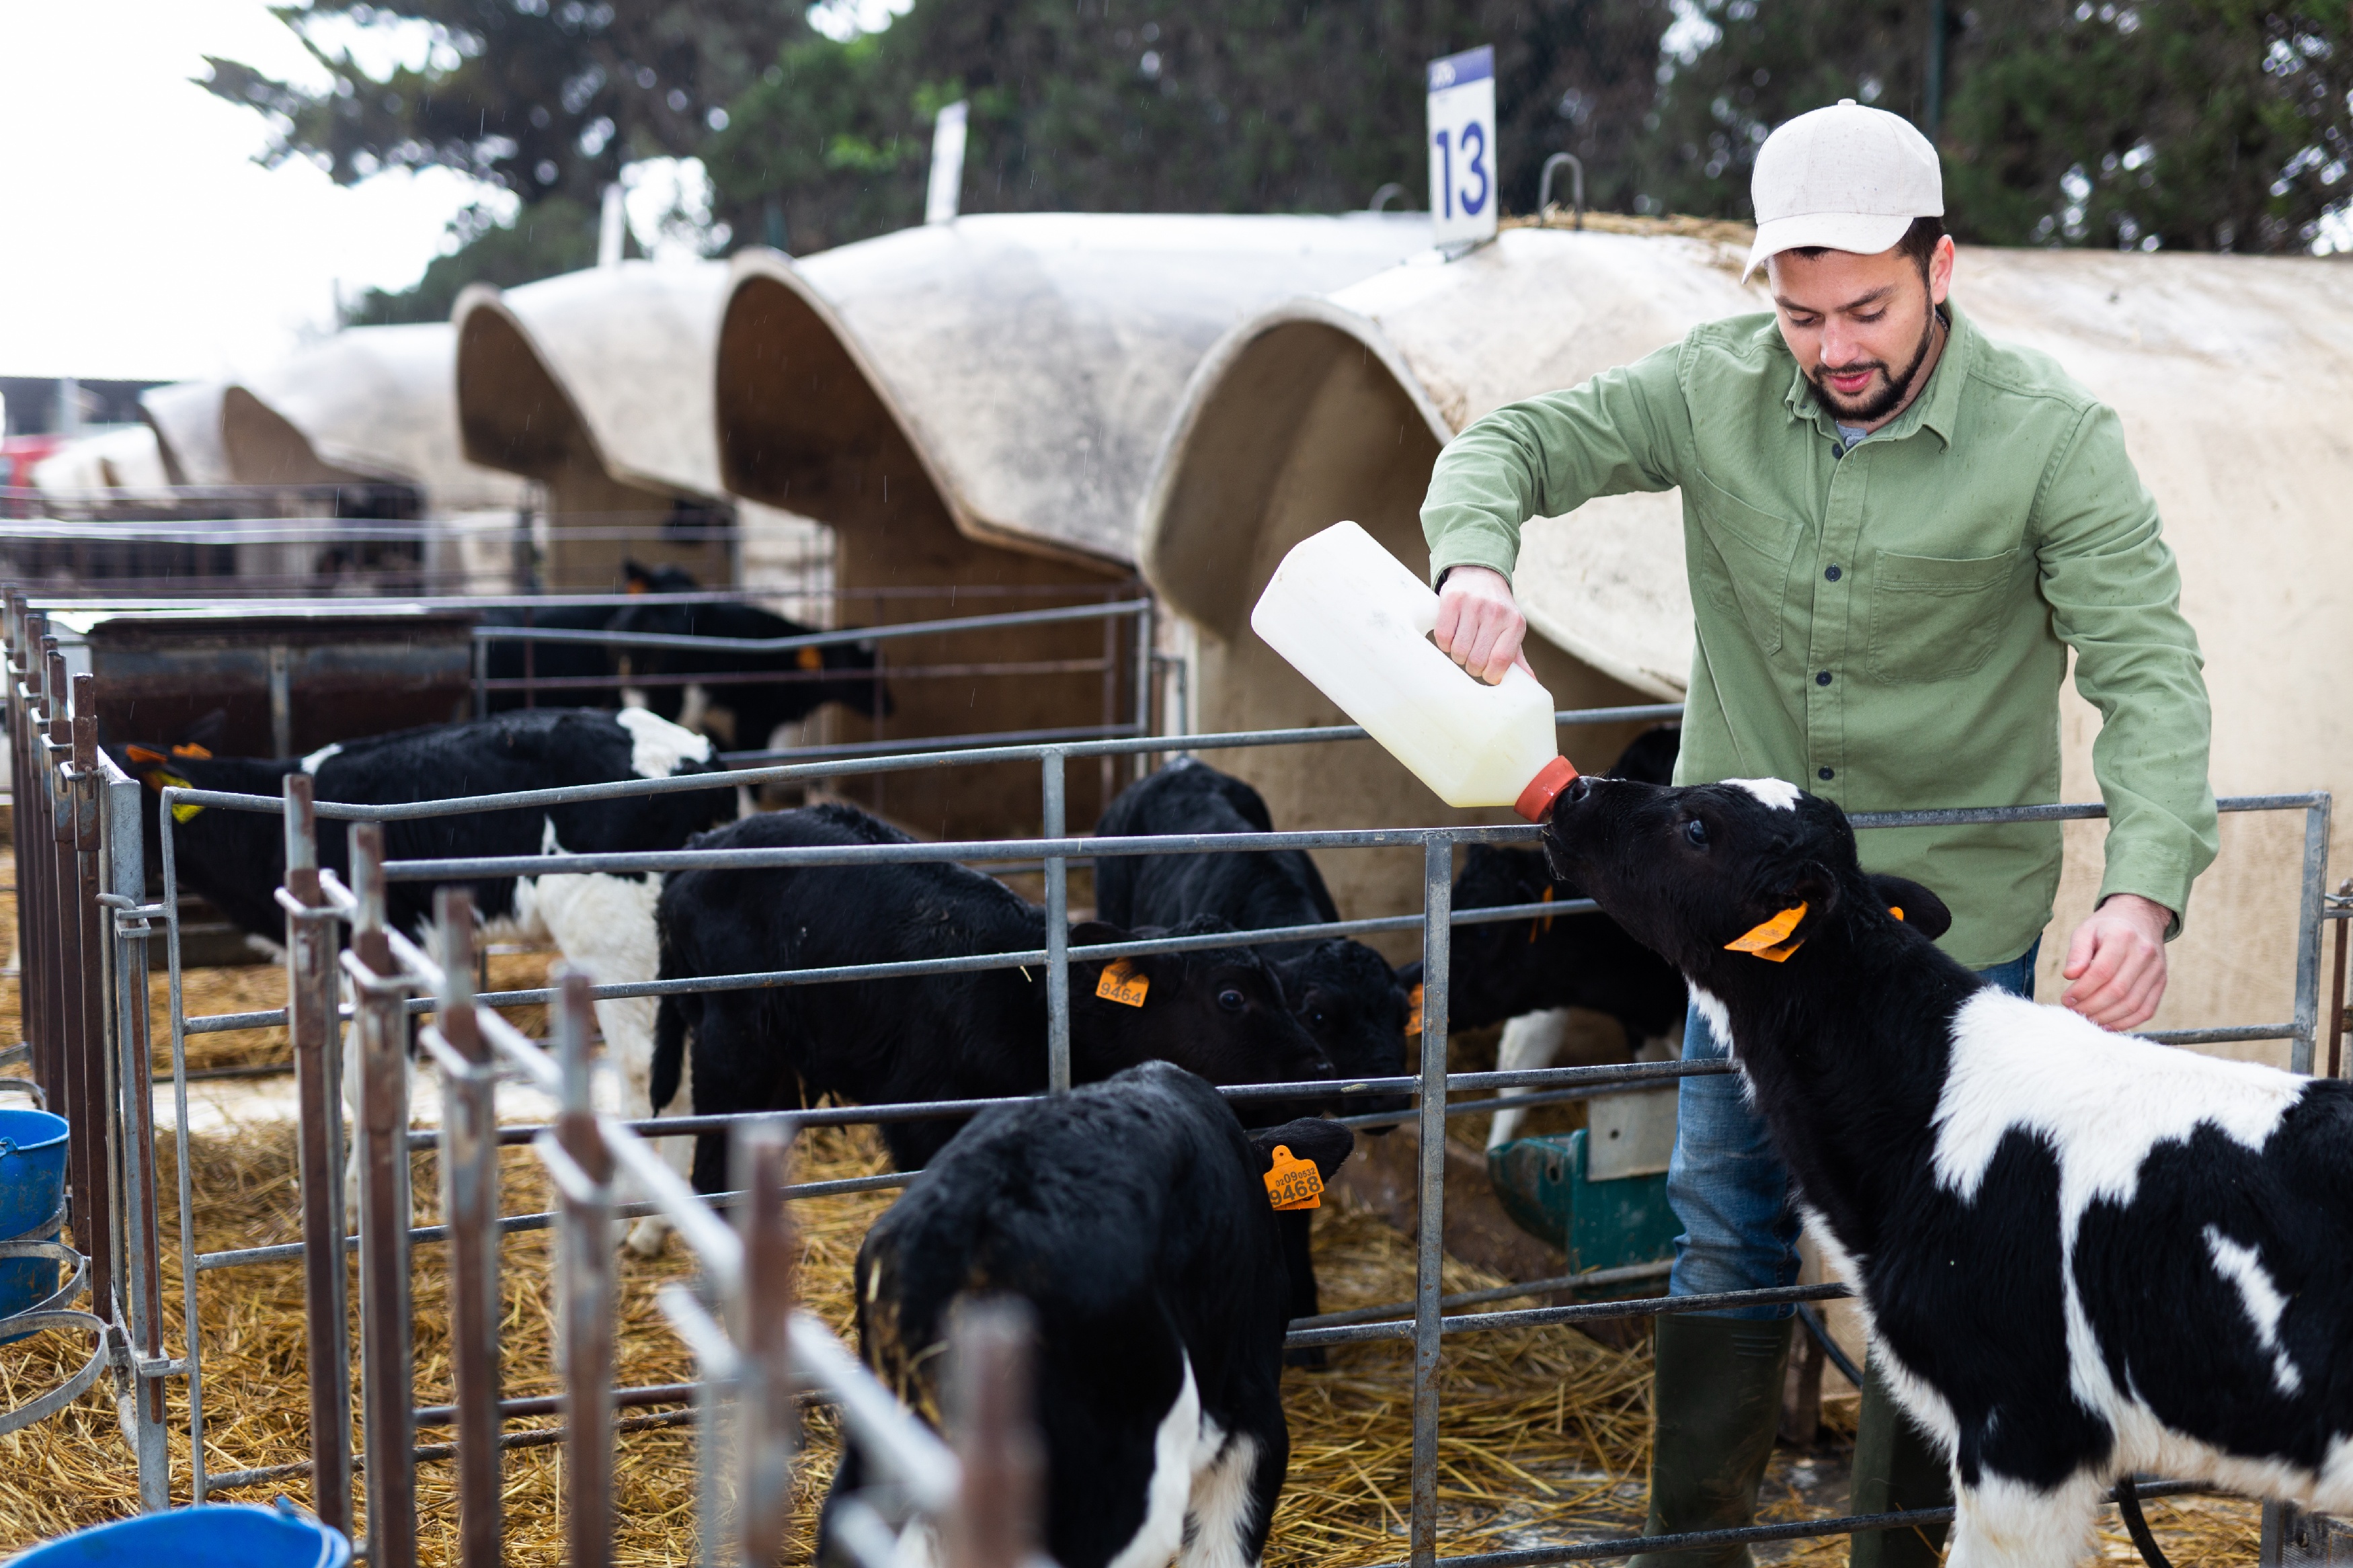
column 542, row 98
column 2186, row 125
column 1152, row 106
column 2197, row 124
column 551, row 236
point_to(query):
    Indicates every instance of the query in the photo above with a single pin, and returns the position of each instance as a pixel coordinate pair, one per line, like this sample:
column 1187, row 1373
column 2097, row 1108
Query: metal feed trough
column 87, row 1042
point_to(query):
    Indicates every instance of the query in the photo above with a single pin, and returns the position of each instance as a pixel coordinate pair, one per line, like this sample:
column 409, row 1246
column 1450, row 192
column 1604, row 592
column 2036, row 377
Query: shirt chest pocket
column 1934, row 619
column 1749, row 577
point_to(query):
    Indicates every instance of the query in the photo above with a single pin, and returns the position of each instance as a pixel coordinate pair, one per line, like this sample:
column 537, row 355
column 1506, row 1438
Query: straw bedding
column 1544, row 1432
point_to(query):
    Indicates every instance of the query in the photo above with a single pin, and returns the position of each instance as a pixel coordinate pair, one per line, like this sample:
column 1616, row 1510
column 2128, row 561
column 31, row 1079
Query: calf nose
column 1580, row 789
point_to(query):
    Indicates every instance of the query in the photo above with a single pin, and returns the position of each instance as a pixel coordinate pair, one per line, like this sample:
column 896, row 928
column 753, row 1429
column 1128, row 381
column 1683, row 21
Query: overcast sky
column 138, row 238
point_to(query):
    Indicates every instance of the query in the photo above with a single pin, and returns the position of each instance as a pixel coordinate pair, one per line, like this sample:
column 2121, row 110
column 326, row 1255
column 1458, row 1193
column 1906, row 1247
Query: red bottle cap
column 1550, row 780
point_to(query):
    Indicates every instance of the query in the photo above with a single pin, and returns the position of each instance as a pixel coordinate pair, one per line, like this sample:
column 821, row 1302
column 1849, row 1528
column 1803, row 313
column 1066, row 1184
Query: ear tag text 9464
column 1123, row 983
column 1771, row 939
column 1293, row 1182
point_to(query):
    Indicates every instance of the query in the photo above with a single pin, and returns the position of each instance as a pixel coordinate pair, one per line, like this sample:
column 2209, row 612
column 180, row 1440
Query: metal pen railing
column 386, row 975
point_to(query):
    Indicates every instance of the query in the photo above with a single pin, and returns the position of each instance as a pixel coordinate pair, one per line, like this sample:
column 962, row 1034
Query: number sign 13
column 1462, row 146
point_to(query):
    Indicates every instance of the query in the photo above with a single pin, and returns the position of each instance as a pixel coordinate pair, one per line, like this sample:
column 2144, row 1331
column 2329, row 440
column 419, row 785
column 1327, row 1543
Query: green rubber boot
column 1895, row 1469
column 1716, row 1395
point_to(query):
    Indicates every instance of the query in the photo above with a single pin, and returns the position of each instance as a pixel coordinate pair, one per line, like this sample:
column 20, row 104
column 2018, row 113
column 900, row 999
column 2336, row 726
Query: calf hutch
column 596, row 386
column 2230, row 374
column 972, row 407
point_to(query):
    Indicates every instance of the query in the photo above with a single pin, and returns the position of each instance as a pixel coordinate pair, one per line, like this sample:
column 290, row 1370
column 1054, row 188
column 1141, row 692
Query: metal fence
column 743, row 1378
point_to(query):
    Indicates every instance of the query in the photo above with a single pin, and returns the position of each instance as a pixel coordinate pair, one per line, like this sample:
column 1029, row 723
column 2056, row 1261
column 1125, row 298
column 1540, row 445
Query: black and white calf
column 1132, row 1216
column 507, row 659
column 604, row 924
column 2083, row 1256
column 745, row 714
column 971, row 1034
column 1345, row 993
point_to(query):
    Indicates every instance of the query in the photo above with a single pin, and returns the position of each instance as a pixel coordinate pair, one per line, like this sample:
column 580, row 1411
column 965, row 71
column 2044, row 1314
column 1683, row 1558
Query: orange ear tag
column 1293, row 1182
column 1541, row 927
column 811, row 658
column 192, row 750
column 1896, row 910
column 1123, row 983
column 1413, row 1011
column 143, row 755
column 1770, row 940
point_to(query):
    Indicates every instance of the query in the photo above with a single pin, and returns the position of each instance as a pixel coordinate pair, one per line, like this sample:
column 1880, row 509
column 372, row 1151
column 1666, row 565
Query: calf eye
column 1317, row 1017
column 1231, row 1000
column 1695, row 831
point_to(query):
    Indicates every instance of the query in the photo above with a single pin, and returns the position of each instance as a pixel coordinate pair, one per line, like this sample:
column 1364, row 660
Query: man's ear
column 1924, row 911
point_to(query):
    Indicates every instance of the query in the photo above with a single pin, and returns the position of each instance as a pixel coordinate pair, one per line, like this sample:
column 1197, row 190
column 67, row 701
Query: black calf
column 2084, row 1255
column 805, row 680
column 1133, row 1217
column 942, row 1036
column 1346, row 994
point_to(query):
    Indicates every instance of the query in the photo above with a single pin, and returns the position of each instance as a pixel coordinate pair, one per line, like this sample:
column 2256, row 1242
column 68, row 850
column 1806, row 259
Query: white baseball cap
column 1846, row 178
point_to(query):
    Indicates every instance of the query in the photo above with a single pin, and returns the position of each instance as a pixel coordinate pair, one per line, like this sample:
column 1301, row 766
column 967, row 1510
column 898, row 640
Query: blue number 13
column 1474, row 147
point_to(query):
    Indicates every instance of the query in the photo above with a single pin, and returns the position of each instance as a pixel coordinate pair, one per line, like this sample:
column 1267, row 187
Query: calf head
column 1355, row 1006
column 1218, row 1013
column 1712, row 876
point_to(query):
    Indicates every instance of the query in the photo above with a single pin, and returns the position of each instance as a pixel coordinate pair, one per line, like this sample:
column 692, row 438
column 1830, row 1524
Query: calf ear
column 1327, row 1144
column 1093, row 933
column 1924, row 911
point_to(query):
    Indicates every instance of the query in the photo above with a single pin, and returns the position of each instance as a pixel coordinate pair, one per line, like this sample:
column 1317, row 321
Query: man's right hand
column 1478, row 624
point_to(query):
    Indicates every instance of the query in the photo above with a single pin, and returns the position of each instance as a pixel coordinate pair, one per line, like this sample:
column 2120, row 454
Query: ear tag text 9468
column 1123, row 983
column 1293, row 1182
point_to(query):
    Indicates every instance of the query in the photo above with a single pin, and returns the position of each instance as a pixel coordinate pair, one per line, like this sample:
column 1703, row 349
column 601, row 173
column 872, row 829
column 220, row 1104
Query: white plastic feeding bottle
column 1350, row 617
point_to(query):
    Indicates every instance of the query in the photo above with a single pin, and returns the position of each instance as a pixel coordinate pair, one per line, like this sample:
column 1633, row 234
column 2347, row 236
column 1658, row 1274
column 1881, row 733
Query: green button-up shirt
column 1889, row 629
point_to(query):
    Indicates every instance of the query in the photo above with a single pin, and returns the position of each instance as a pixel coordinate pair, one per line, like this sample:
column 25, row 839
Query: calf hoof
column 1311, row 1357
column 647, row 1237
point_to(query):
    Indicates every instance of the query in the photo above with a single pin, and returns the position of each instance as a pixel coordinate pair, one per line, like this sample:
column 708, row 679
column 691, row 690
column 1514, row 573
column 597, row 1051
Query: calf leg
column 1234, row 1492
column 2002, row 1523
column 605, row 927
column 1531, row 1040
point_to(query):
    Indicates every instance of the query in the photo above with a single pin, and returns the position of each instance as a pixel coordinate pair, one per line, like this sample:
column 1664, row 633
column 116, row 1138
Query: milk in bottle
column 1350, row 617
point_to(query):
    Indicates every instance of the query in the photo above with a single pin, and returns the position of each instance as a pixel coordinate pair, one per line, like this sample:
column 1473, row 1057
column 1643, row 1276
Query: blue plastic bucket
column 32, row 1184
column 211, row 1535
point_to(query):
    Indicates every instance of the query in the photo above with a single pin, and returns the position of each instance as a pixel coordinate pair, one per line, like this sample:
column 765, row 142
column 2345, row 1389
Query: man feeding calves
column 2082, row 1255
column 1896, row 529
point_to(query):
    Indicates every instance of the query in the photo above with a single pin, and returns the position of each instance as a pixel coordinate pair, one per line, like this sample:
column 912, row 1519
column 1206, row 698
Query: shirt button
column 1823, row 678
column 1825, row 774
column 1831, row 575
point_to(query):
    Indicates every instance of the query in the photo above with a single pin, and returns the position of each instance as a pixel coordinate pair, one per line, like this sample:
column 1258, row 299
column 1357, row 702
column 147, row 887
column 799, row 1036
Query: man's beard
column 1876, row 405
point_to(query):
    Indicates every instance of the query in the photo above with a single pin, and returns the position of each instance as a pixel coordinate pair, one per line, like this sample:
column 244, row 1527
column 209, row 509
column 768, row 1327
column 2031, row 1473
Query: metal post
column 2315, row 901
column 1144, row 682
column 1058, row 931
column 36, row 930
column 64, row 969
column 387, row 1372
column 1436, row 910
column 585, row 1291
column 766, row 1428
column 134, row 1056
column 93, row 1123
column 994, row 1522
column 311, row 993
column 469, row 1207
column 2336, row 991
column 281, row 703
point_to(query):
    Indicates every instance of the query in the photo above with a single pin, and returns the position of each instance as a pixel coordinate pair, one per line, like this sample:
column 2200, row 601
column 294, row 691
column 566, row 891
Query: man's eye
column 1695, row 832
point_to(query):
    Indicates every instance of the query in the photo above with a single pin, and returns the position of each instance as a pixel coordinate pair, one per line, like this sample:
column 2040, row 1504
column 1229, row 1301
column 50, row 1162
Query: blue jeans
column 1729, row 1189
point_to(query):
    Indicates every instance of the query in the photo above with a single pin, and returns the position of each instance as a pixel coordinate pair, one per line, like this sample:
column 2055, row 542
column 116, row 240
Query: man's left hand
column 2117, row 963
